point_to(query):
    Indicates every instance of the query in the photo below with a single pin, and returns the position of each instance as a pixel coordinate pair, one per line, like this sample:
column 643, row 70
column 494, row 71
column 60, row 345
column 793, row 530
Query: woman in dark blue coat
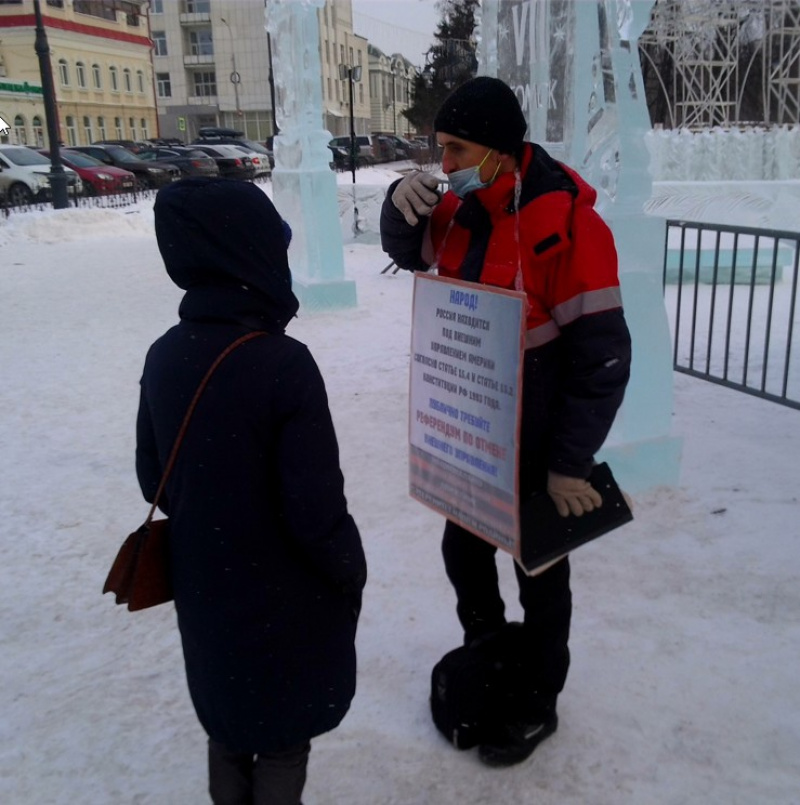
column 267, row 563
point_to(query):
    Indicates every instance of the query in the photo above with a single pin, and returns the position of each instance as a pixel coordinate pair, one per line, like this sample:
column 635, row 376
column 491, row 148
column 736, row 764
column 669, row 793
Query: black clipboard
column 545, row 535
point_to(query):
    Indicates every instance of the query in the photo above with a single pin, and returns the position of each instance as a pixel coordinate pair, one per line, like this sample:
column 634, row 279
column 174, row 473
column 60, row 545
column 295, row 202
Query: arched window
column 143, row 124
column 101, row 127
column 38, row 131
column 63, row 72
column 118, row 128
column 97, row 76
column 140, row 81
column 72, row 134
column 20, row 131
column 126, row 78
column 87, row 129
column 132, row 126
column 80, row 74
column 114, row 79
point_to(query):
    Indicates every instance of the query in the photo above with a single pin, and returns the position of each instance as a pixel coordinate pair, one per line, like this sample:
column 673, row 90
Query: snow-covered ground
column 686, row 632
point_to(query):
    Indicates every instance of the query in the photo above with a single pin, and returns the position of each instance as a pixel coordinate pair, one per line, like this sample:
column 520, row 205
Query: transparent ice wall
column 304, row 187
column 575, row 69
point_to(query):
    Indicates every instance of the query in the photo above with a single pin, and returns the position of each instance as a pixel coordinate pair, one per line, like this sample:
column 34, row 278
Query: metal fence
column 731, row 294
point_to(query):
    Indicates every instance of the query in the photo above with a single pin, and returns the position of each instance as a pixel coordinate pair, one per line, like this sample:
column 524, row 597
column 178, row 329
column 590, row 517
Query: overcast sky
column 397, row 26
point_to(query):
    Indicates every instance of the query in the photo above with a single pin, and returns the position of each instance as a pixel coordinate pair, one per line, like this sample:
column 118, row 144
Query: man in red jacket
column 515, row 218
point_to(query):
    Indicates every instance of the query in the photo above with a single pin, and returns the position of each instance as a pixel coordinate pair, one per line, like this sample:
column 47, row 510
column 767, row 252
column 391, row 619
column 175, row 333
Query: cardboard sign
column 465, row 399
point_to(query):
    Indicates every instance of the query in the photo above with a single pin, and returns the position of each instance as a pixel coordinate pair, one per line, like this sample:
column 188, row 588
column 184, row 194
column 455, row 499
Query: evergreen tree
column 450, row 62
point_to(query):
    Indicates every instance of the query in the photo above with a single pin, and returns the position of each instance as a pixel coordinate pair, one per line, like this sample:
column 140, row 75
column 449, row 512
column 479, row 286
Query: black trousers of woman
column 275, row 778
column 546, row 600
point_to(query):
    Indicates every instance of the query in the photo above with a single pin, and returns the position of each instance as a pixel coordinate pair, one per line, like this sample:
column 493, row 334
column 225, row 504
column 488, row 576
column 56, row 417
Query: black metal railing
column 731, row 294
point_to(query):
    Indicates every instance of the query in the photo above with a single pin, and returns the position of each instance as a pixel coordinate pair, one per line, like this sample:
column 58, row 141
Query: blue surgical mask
column 468, row 179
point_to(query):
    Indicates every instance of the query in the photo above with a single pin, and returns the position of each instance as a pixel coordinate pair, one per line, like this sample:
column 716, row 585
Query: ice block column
column 575, row 68
column 641, row 445
column 304, row 187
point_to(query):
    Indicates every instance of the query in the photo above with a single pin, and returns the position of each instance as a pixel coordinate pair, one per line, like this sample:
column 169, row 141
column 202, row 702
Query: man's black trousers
column 546, row 600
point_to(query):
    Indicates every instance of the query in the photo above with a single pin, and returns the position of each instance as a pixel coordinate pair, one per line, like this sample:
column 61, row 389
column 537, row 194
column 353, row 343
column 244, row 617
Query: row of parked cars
column 374, row 148
column 119, row 166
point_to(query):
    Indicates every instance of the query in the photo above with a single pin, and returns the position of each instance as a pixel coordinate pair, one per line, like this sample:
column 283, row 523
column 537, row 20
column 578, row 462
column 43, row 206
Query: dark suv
column 147, row 174
column 190, row 161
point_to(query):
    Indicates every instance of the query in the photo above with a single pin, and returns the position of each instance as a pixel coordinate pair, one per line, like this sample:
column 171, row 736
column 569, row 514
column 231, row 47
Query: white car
column 260, row 161
column 25, row 175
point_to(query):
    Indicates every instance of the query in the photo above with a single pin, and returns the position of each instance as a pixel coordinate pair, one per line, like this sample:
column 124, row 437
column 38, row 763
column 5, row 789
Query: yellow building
column 102, row 74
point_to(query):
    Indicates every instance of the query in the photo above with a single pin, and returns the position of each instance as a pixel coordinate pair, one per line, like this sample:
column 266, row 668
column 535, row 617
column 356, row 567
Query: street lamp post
column 58, row 178
column 351, row 74
column 235, row 77
column 271, row 80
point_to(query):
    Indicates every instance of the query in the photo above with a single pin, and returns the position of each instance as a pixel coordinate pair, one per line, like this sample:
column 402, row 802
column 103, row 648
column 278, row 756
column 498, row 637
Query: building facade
column 211, row 60
column 341, row 50
column 391, row 79
column 102, row 74
column 136, row 69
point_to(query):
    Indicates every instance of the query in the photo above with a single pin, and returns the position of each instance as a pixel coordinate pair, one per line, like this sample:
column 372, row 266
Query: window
column 126, row 79
column 201, row 42
column 163, row 85
column 38, row 131
column 158, row 7
column 87, row 129
column 118, row 128
column 330, row 94
column 198, row 6
column 95, row 8
column 327, row 53
column 159, row 43
column 97, row 76
column 20, row 132
column 140, row 81
column 205, row 84
column 63, row 72
column 132, row 127
column 143, row 126
column 80, row 74
column 113, row 79
column 72, row 135
column 101, row 127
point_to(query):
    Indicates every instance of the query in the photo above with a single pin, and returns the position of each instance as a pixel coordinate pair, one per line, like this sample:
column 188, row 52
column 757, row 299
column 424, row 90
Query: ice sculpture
column 575, row 69
column 304, row 188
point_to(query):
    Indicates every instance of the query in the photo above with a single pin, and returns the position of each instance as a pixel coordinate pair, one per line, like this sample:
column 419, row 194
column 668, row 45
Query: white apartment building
column 212, row 60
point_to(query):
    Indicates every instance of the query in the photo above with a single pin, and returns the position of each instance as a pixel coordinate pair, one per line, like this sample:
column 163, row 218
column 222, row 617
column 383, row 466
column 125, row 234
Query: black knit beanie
column 484, row 110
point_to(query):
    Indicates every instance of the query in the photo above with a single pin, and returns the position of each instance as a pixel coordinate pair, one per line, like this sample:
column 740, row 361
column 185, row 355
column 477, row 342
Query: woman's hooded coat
column 267, row 563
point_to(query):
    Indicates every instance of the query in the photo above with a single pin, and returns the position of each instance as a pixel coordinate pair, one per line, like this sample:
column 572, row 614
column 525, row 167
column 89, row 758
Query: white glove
column 572, row 495
column 416, row 195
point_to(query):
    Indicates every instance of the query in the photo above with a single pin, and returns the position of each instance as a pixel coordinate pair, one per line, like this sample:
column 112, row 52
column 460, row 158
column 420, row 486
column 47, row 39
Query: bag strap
column 192, row 405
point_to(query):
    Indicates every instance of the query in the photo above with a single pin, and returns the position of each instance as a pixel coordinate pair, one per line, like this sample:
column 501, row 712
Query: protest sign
column 465, row 400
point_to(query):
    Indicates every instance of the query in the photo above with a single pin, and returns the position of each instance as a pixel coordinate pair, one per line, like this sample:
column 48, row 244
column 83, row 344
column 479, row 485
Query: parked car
column 147, row 175
column 134, row 146
column 168, row 142
column 368, row 152
column 261, row 166
column 25, row 175
column 218, row 136
column 232, row 163
column 340, row 159
column 405, row 149
column 189, row 161
column 98, row 179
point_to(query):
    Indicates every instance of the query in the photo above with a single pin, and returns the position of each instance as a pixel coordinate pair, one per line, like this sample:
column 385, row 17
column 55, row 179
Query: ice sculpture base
column 323, row 296
column 641, row 466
